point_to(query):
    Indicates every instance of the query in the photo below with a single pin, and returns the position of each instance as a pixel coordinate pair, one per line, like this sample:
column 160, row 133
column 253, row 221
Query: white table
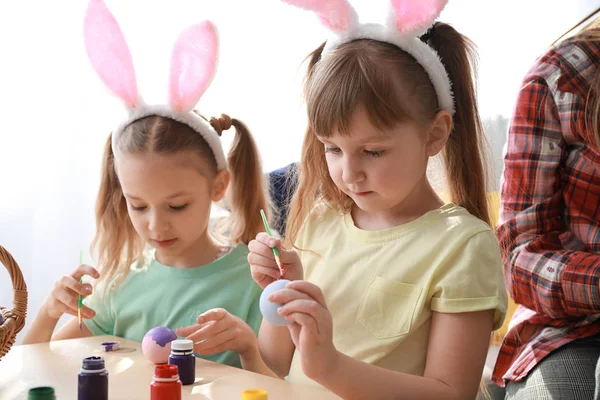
column 57, row 364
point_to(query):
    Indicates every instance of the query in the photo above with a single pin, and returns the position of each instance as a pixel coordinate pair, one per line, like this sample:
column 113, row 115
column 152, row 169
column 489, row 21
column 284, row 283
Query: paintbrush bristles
column 278, row 262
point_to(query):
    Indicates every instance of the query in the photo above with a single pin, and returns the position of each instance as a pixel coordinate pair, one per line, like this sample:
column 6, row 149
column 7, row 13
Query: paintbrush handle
column 80, row 297
column 268, row 230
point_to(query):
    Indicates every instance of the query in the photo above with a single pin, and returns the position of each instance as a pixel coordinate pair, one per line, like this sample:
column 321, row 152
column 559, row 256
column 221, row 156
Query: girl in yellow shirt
column 394, row 293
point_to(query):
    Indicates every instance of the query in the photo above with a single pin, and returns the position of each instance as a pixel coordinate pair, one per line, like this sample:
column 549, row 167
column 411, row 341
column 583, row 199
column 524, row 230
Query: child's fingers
column 259, row 259
column 208, row 324
column 264, row 245
column 256, row 247
column 68, row 302
column 286, row 295
column 67, row 297
column 216, row 343
column 85, row 270
column 295, row 329
column 73, row 284
column 62, row 308
column 306, row 321
column 303, row 306
column 207, row 331
column 267, row 240
column 262, row 280
column 309, row 289
column 217, row 349
column 187, row 330
column 215, row 314
column 87, row 288
column 273, row 272
column 87, row 312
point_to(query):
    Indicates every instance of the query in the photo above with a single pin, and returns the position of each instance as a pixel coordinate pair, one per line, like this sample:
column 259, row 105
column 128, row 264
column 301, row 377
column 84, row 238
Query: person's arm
column 539, row 273
column 218, row 330
column 276, row 347
column 42, row 330
column 455, row 357
column 71, row 330
column 274, row 342
column 62, row 300
column 252, row 361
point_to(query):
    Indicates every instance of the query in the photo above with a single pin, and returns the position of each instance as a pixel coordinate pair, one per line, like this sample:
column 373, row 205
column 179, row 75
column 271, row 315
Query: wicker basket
column 14, row 319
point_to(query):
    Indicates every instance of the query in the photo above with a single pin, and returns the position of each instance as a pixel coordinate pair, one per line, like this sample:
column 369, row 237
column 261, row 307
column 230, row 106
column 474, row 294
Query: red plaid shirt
column 550, row 215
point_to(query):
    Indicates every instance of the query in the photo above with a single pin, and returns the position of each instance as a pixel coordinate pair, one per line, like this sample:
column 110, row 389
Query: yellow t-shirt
column 382, row 286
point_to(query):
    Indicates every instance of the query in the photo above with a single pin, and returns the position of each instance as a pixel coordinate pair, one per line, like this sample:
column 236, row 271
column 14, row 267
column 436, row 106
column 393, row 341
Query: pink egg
column 156, row 344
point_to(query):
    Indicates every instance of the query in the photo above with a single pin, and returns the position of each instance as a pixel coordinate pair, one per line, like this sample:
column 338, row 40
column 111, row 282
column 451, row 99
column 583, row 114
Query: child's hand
column 217, row 330
column 64, row 296
column 262, row 261
column 312, row 327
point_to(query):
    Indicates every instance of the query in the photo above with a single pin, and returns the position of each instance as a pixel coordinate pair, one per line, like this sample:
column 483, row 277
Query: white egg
column 268, row 308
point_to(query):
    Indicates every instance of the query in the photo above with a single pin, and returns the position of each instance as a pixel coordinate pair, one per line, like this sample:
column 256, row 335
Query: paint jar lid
column 110, row 346
column 254, row 394
column 41, row 393
column 93, row 363
column 182, row 345
column 166, row 372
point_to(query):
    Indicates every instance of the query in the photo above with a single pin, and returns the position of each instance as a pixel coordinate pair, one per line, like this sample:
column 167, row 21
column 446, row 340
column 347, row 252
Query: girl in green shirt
column 163, row 169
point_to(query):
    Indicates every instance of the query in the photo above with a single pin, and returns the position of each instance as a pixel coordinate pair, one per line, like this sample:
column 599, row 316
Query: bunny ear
column 193, row 64
column 336, row 15
column 108, row 52
column 416, row 16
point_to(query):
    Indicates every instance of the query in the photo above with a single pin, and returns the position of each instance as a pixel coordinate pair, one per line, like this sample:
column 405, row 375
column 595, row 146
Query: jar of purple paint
column 93, row 380
column 182, row 355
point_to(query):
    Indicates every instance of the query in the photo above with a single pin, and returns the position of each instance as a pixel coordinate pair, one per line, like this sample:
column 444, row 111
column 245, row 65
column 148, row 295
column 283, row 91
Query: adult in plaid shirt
column 550, row 227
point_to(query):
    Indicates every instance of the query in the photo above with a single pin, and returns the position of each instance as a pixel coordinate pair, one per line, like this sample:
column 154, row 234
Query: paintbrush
column 80, row 297
column 275, row 251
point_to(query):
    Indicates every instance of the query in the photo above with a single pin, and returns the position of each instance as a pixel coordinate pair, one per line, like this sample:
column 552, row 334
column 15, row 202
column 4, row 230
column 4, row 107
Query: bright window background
column 56, row 114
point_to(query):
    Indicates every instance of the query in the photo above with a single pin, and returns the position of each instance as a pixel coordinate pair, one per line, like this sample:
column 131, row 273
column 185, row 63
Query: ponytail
column 247, row 193
column 464, row 154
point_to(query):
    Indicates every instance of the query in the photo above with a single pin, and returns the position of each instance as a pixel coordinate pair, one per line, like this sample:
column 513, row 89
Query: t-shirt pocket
column 387, row 307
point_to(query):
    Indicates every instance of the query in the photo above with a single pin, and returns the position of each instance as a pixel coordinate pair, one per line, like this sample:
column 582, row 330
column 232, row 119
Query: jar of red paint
column 165, row 384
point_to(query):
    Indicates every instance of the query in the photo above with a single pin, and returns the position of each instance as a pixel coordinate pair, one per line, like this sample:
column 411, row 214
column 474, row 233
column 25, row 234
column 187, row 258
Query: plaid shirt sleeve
column 545, row 267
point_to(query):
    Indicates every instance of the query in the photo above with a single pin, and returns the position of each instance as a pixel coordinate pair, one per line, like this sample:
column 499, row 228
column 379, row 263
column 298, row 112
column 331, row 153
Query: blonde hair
column 116, row 244
column 384, row 79
column 591, row 32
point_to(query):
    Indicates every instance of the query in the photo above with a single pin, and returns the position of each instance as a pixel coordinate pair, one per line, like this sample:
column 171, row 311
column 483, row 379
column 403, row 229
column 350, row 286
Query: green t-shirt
column 153, row 295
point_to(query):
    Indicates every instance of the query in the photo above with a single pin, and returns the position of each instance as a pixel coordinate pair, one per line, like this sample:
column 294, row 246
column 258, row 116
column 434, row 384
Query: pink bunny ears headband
column 407, row 21
column 193, row 64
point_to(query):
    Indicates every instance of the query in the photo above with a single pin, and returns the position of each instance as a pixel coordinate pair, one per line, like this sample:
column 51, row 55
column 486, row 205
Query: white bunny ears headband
column 193, row 64
column 407, row 21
